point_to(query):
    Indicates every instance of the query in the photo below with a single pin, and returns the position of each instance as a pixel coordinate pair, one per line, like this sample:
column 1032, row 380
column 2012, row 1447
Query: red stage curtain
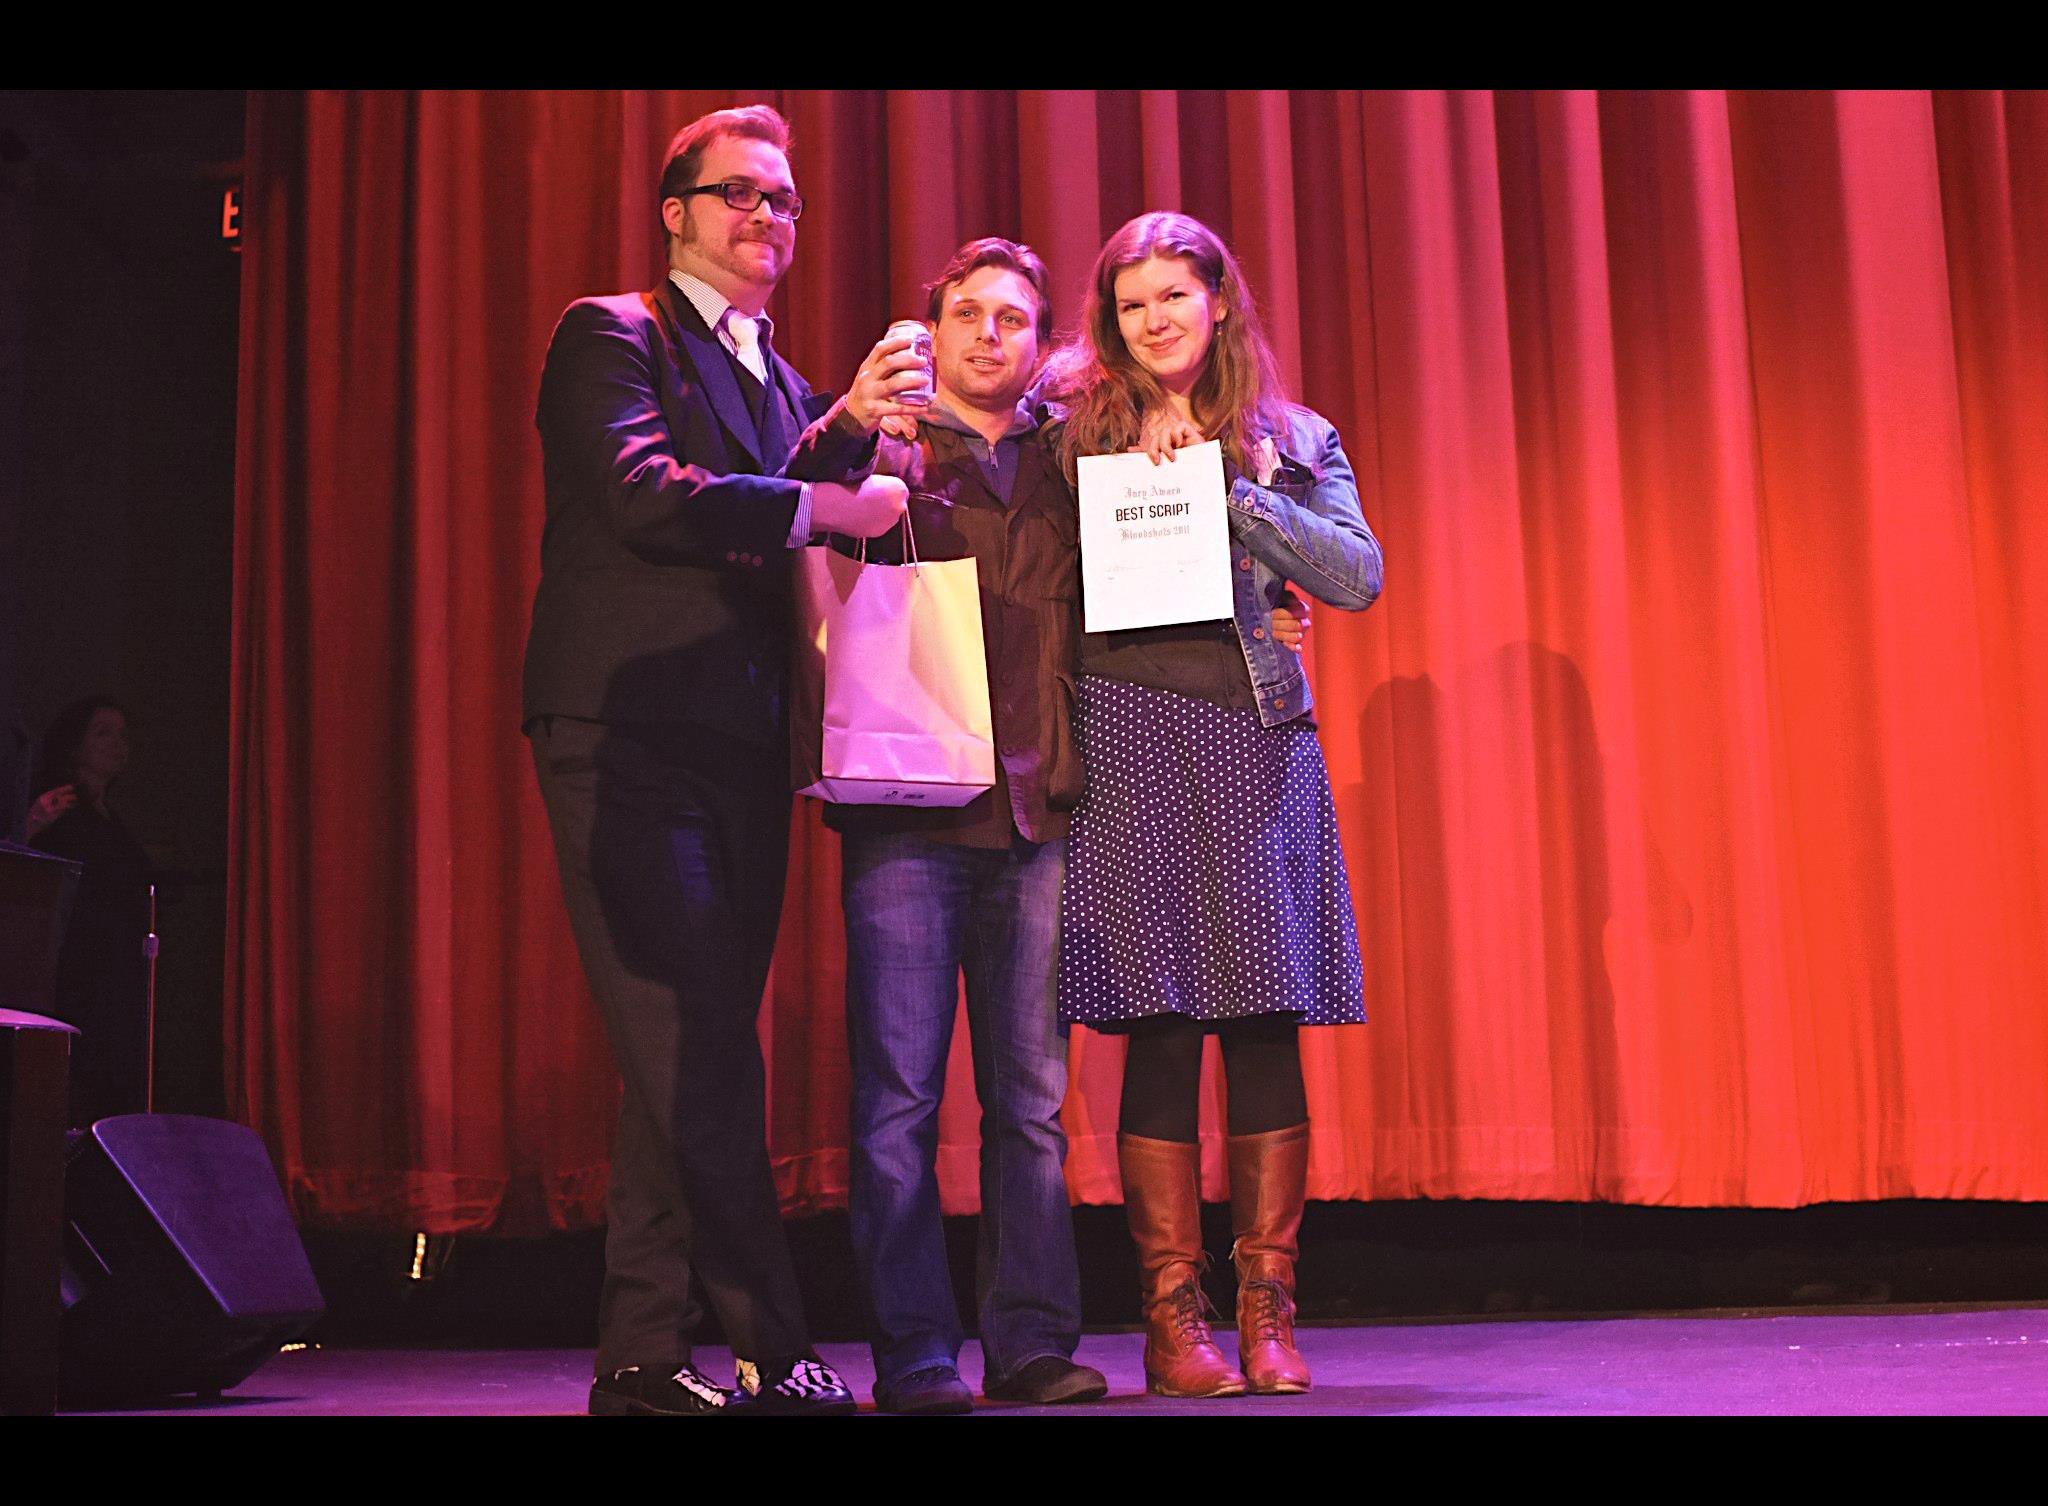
column 1692, row 771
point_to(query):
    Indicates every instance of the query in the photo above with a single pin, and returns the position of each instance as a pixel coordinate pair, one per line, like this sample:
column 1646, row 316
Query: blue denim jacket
column 1306, row 527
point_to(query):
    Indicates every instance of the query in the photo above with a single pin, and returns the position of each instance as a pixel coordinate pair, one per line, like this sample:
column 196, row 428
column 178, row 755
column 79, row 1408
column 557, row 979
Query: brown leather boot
column 1268, row 1181
column 1163, row 1201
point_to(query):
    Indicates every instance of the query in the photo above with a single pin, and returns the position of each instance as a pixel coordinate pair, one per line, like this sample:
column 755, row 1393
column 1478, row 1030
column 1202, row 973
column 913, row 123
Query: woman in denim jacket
column 1206, row 890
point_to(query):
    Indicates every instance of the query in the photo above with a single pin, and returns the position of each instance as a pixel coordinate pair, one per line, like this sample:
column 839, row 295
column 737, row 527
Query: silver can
column 921, row 342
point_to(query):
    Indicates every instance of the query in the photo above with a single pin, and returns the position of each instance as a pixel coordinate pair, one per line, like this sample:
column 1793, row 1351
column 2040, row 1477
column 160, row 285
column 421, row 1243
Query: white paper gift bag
column 889, row 689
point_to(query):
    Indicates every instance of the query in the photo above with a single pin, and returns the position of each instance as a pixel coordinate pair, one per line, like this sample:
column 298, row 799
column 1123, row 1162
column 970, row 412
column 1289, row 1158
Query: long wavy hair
column 65, row 741
column 1238, row 399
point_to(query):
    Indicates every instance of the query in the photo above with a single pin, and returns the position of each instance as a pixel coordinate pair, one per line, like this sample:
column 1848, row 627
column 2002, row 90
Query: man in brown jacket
column 930, row 894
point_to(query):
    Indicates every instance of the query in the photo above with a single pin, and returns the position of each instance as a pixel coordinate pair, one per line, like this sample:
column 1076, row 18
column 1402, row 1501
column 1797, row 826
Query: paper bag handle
column 909, row 540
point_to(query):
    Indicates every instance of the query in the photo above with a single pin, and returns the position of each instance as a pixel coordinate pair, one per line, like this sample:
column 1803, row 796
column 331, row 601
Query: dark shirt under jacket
column 1008, row 508
column 1202, row 659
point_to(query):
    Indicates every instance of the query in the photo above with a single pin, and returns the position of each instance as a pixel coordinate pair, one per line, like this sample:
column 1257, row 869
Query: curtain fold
column 1690, row 771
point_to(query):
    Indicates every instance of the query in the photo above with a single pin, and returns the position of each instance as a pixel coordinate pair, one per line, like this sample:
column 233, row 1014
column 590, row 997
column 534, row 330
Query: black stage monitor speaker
column 182, row 1271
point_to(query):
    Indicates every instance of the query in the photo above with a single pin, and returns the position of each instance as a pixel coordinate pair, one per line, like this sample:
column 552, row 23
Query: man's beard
column 732, row 258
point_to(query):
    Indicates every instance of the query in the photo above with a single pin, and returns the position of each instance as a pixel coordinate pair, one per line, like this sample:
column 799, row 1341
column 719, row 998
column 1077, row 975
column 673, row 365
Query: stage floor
column 1870, row 1361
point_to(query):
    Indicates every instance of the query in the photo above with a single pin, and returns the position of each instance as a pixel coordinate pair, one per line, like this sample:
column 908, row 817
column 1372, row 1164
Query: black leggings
column 1261, row 1070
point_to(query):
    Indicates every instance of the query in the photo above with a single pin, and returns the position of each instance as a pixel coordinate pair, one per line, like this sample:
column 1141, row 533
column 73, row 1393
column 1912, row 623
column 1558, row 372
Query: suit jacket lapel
column 700, row 348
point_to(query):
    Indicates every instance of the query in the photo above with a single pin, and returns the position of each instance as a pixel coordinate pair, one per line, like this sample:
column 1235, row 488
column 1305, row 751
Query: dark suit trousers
column 672, row 843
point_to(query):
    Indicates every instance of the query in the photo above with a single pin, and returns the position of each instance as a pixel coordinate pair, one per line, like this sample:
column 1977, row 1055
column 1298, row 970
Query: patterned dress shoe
column 804, row 1386
column 639, row 1392
column 928, row 1391
column 1049, row 1381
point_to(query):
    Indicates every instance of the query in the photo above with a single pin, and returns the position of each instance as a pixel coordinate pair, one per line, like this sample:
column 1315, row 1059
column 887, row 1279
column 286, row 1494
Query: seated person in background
column 102, row 974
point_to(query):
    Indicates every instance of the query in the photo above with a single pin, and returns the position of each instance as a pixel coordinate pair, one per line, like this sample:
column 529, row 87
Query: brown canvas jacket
column 1028, row 559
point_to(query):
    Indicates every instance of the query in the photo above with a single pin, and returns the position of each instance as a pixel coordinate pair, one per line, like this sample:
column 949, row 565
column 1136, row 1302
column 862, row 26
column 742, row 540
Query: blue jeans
column 918, row 914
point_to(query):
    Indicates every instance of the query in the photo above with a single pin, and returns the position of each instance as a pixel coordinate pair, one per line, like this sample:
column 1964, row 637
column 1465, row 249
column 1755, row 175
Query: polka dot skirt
column 1204, row 873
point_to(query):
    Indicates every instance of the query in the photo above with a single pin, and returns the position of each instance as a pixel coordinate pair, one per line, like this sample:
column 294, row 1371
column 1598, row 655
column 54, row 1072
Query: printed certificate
column 1155, row 540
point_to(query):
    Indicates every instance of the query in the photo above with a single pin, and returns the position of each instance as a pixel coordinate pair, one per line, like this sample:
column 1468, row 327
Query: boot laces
column 1191, row 1312
column 1268, row 1312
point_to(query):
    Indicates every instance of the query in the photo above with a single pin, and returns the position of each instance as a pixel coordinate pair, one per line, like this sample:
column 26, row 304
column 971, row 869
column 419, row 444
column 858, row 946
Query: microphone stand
column 149, row 949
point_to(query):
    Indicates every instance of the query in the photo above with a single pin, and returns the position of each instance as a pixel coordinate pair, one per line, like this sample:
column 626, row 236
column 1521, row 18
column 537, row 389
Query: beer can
column 921, row 343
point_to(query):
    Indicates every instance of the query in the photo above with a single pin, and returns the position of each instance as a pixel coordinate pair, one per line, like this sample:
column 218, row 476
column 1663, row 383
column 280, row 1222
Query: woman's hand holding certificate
column 1155, row 539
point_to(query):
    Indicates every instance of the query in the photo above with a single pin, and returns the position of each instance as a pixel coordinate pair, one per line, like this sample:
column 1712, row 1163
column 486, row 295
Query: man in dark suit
column 654, row 690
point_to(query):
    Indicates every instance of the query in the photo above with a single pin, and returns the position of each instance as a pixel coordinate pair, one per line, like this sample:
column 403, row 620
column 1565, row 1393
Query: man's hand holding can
column 895, row 379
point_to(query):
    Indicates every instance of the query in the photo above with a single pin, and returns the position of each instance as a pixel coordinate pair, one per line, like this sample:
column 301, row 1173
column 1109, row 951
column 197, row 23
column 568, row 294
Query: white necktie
column 746, row 339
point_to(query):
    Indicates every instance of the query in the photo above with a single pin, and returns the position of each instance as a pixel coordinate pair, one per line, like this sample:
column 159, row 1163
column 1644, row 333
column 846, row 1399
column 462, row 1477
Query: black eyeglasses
column 782, row 203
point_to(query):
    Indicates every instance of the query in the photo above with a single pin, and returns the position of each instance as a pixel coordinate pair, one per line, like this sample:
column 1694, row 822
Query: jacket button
column 1245, row 563
column 1258, row 632
column 1280, row 704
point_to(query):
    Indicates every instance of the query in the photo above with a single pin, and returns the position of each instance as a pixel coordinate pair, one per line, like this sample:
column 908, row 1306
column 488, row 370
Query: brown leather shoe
column 1163, row 1201
column 1268, row 1182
